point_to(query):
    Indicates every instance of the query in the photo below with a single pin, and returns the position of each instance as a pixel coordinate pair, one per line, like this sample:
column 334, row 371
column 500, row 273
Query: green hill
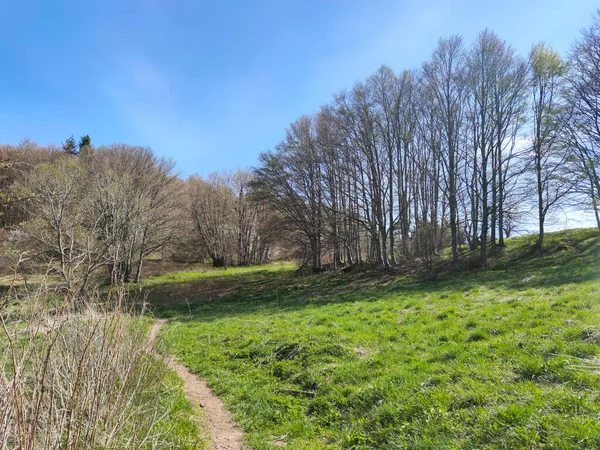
column 503, row 358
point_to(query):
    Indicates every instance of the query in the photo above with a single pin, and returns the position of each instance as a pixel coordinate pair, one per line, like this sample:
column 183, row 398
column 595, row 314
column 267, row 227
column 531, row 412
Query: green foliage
column 85, row 145
column 85, row 141
column 480, row 360
column 546, row 63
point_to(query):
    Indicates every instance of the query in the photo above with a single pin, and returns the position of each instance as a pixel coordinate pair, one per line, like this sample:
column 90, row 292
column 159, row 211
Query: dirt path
column 225, row 434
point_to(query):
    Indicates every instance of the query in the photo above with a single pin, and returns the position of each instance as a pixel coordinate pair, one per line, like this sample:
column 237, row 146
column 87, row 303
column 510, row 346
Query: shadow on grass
column 571, row 256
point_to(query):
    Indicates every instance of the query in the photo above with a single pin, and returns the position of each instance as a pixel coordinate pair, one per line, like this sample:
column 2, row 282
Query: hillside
column 498, row 359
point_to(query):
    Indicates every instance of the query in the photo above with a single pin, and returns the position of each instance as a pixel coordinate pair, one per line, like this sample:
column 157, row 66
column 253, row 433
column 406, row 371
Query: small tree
column 70, row 146
column 85, row 145
column 132, row 197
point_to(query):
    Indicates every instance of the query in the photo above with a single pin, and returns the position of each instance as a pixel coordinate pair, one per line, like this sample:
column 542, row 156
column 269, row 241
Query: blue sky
column 212, row 84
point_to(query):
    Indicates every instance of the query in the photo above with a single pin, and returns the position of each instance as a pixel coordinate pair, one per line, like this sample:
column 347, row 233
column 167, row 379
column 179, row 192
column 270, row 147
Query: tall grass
column 83, row 379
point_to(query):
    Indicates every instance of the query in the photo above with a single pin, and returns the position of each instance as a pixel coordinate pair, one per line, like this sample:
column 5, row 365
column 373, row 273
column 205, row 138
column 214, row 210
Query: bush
column 87, row 379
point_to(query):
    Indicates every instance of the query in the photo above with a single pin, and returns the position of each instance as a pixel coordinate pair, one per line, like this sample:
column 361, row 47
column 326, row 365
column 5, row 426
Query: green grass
column 180, row 424
column 483, row 360
column 208, row 272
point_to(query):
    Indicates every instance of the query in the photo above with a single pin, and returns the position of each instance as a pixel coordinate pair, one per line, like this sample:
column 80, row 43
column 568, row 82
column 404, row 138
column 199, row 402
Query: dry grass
column 86, row 379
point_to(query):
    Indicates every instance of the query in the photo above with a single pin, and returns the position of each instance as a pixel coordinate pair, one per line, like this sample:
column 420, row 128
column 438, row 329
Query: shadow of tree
column 569, row 257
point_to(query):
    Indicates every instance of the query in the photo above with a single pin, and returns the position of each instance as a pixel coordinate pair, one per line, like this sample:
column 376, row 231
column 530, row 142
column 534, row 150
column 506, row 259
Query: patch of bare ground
column 225, row 434
column 362, row 352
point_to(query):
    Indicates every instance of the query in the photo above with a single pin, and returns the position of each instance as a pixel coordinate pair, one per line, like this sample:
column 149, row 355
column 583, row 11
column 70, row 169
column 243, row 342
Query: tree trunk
column 138, row 272
column 218, row 261
column 484, row 209
column 540, row 195
column 596, row 213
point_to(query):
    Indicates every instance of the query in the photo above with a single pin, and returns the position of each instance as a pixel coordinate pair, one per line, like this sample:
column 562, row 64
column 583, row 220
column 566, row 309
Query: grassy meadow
column 503, row 358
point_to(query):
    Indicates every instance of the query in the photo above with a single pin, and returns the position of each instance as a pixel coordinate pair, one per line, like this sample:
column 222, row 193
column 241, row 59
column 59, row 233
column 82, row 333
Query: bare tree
column 110, row 208
column 133, row 201
column 333, row 201
column 251, row 220
column 290, row 181
column 481, row 66
column 583, row 127
column 16, row 161
column 368, row 160
column 495, row 105
column 211, row 205
column 444, row 79
column 63, row 228
column 508, row 112
column 547, row 155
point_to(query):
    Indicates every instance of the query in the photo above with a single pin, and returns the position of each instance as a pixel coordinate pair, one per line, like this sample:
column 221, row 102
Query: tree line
column 94, row 215
column 454, row 154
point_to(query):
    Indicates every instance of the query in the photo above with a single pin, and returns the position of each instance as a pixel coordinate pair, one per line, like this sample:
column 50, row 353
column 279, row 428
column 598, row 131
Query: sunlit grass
column 477, row 360
column 210, row 272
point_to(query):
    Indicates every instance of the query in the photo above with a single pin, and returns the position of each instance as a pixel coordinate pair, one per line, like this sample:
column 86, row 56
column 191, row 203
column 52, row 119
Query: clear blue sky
column 212, row 84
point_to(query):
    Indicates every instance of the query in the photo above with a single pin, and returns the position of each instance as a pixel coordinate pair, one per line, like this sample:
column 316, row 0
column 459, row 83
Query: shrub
column 85, row 380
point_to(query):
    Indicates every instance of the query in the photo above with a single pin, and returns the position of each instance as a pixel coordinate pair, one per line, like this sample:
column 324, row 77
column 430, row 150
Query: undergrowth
column 86, row 378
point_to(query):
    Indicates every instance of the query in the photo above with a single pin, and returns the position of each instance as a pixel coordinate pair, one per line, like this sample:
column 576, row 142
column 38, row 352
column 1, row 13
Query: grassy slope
column 480, row 360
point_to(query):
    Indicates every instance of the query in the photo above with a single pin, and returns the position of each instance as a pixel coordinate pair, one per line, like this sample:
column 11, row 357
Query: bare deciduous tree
column 444, row 78
column 212, row 208
column 290, row 181
column 133, row 199
column 583, row 127
column 63, row 229
column 548, row 156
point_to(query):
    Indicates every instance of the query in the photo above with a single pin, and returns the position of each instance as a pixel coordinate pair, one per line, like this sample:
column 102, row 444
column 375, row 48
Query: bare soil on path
column 225, row 434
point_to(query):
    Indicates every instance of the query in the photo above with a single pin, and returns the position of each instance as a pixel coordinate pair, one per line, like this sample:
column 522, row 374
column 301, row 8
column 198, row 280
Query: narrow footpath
column 225, row 434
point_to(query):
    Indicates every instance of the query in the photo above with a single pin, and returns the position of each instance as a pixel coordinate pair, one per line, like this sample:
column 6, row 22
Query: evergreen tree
column 70, row 146
column 85, row 145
